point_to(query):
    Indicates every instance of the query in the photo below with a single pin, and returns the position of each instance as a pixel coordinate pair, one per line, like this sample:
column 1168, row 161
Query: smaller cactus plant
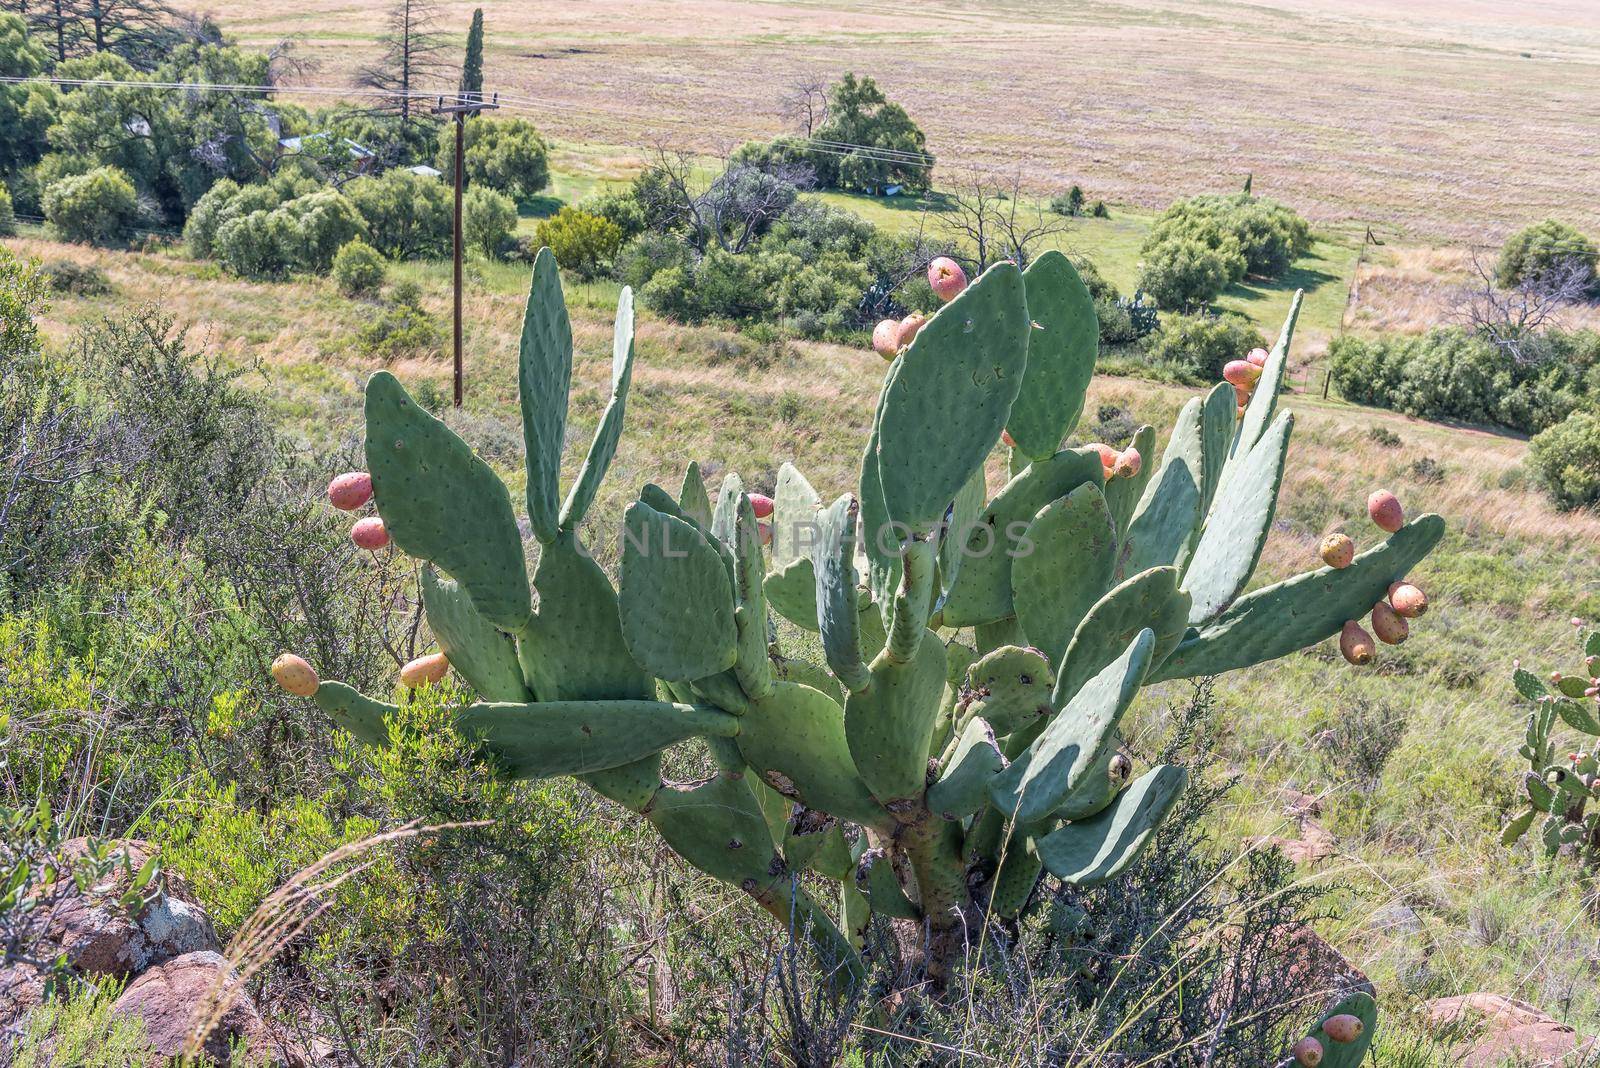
column 1558, row 792
column 1341, row 1038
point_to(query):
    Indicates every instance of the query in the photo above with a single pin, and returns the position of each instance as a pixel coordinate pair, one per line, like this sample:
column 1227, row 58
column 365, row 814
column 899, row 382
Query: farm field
column 1414, row 118
column 1411, row 760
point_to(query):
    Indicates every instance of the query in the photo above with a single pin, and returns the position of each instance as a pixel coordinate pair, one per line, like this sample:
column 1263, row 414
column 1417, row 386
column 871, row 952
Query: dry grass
column 1411, row 290
column 1418, row 114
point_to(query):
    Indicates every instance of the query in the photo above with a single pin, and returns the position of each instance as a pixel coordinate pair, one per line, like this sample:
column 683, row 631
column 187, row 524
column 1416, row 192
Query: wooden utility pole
column 459, row 110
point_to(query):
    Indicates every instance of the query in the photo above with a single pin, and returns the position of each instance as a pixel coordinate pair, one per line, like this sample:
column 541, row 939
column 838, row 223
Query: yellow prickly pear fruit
column 1356, row 644
column 1407, row 599
column 1337, row 550
column 1390, row 627
column 1307, row 1051
column 424, row 669
column 886, row 338
column 295, row 675
column 1343, row 1028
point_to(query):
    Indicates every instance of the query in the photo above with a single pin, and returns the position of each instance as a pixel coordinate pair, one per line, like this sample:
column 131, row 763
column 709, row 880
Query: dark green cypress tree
column 472, row 68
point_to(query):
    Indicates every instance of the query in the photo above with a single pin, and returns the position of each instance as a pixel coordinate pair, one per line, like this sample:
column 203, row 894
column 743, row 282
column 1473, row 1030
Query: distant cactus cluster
column 1560, row 792
column 954, row 733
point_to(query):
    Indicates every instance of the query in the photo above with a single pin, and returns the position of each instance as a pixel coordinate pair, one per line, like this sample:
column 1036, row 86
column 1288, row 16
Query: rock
column 1509, row 1028
column 100, row 939
column 1297, row 964
column 1300, row 805
column 172, row 998
column 1315, row 843
column 21, row 991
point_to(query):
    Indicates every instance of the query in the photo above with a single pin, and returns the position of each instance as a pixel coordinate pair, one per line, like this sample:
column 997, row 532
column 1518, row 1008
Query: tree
column 806, row 103
column 411, row 55
column 581, row 242
column 1540, row 254
column 988, row 217
column 507, row 155
column 472, row 66
column 97, row 207
column 870, row 141
column 408, row 216
column 1513, row 317
column 1185, row 272
column 26, row 111
column 487, row 220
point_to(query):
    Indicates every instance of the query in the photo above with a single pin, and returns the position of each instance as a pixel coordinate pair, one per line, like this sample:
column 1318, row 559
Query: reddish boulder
column 176, row 998
column 1506, row 1028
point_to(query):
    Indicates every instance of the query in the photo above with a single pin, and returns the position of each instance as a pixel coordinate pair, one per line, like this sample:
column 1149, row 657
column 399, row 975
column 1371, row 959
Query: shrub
column 8, row 215
column 506, row 155
column 1566, row 460
column 582, row 243
column 258, row 245
column 621, row 208
column 98, row 207
column 200, row 232
column 1268, row 235
column 408, row 216
column 319, row 225
column 1069, row 203
column 1543, row 248
column 487, row 220
column 1184, row 273
column 358, row 269
column 646, row 256
column 404, row 328
column 1197, row 346
column 76, row 279
column 859, row 114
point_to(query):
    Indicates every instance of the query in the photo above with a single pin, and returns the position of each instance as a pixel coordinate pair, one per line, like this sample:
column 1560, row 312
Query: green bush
column 321, row 224
column 404, row 328
column 1566, row 460
column 859, row 114
column 8, row 215
column 208, row 215
column 259, row 245
column 583, row 243
column 1197, row 346
column 1069, row 203
column 487, row 220
column 621, row 208
column 647, row 255
column 1181, row 273
column 76, row 279
column 358, row 269
column 1268, row 235
column 506, row 155
column 98, row 206
column 408, row 216
column 1537, row 250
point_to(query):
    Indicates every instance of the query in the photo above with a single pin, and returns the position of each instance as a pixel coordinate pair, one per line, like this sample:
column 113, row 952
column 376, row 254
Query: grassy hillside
column 1411, row 759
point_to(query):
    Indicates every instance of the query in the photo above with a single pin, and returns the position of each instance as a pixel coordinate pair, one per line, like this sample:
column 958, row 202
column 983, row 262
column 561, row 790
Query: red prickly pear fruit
column 1575, row 621
column 886, row 338
column 1384, row 508
column 1241, row 396
column 350, row 491
column 947, row 278
column 1390, row 626
column 1407, row 599
column 761, row 505
column 909, row 327
column 1128, row 463
column 1343, row 1027
column 369, row 533
column 1555, row 677
column 1356, row 644
column 295, row 675
column 1257, row 357
column 1307, row 1051
column 423, row 670
column 1108, row 455
column 765, row 532
column 1337, row 550
column 1241, row 373
column 1005, row 436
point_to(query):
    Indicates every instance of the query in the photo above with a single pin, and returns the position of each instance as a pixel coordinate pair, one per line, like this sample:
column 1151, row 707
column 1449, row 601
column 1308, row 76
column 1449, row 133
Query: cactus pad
column 1091, row 851
column 535, row 741
column 1062, row 346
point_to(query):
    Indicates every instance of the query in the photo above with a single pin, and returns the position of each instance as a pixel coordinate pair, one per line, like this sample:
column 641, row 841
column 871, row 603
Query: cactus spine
column 919, row 753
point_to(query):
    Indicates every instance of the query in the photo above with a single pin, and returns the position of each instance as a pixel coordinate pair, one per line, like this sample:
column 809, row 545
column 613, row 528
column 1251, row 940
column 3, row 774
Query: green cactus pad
column 357, row 713
column 913, row 601
column 606, row 435
column 1098, row 786
column 792, row 592
column 835, row 594
column 1061, row 352
column 964, row 512
column 1301, row 611
column 1124, row 492
column 963, row 786
column 1258, row 414
column 1164, row 523
column 718, row 827
column 812, row 675
column 1237, row 528
column 479, row 651
column 889, row 723
column 1348, row 1054
column 536, row 741
column 1015, row 881
column 693, row 501
column 751, row 666
column 1579, row 715
column 1010, row 687
column 880, row 539
column 430, row 487
column 794, row 741
column 875, row 878
column 1518, row 826
column 794, row 517
column 1071, row 565
column 982, row 590
column 948, row 395
column 832, row 857
column 1075, row 742
column 725, row 517
column 544, row 378
column 675, row 599
column 572, row 648
column 1099, row 848
column 631, row 785
column 1149, row 599
column 1218, row 423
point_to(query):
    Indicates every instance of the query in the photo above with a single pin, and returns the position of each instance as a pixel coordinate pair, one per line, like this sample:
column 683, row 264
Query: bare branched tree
column 805, row 103
column 735, row 208
column 1513, row 317
column 991, row 220
column 411, row 55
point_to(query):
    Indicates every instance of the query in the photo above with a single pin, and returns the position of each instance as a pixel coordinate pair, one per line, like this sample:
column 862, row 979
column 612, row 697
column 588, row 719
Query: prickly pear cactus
column 1559, row 792
column 956, row 739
